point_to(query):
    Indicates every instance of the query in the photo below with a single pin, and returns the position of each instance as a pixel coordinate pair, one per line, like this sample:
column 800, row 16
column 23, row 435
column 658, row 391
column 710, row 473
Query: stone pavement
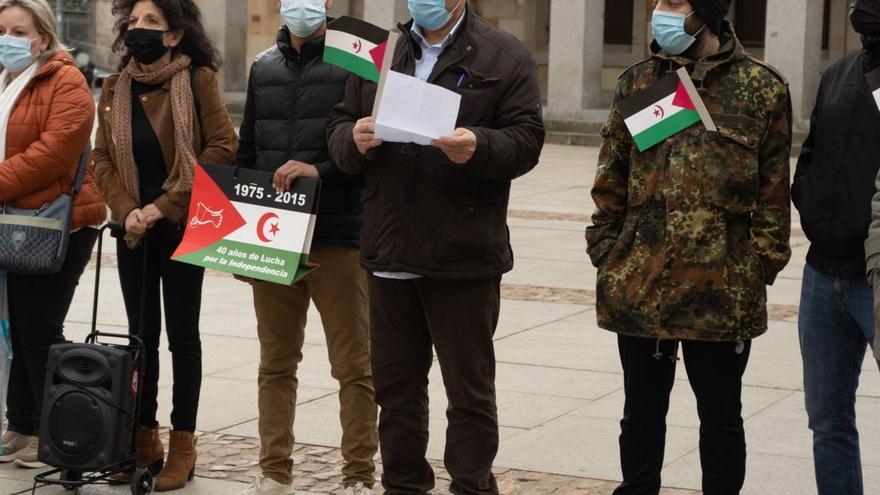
column 559, row 379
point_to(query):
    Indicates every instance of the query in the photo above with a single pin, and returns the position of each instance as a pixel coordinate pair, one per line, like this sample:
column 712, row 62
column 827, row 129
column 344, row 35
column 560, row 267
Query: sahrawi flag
column 238, row 224
column 664, row 109
column 873, row 78
column 356, row 46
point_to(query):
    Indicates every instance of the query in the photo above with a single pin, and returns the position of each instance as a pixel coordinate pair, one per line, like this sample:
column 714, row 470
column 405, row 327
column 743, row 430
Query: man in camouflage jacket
column 686, row 236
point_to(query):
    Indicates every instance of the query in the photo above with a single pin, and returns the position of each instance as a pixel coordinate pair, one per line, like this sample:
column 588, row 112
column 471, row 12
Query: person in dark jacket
column 435, row 238
column 290, row 96
column 686, row 238
column 833, row 187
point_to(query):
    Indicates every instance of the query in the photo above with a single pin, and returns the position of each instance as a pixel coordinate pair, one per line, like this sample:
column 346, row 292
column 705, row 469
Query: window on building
column 618, row 22
column 75, row 23
column 751, row 22
column 826, row 24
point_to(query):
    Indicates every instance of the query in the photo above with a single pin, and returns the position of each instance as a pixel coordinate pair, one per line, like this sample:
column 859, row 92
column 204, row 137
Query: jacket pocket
column 472, row 240
column 478, row 98
column 471, row 79
column 746, row 293
column 623, row 246
column 729, row 166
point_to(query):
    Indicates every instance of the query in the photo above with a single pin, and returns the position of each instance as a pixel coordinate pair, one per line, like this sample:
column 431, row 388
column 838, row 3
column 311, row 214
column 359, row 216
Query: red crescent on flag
column 261, row 226
column 659, row 112
column 357, row 45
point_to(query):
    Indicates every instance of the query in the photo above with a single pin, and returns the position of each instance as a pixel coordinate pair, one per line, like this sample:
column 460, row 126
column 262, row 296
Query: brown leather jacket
column 421, row 213
column 214, row 140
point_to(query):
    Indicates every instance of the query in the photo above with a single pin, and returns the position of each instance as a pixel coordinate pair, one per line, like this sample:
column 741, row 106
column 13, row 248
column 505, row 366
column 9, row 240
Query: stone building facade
column 581, row 45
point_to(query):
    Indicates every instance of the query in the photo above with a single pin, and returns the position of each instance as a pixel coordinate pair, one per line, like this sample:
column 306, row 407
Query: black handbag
column 34, row 242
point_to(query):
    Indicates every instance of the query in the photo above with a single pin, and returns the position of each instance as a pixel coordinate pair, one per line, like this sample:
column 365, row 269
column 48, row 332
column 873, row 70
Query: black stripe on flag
column 361, row 29
column 648, row 96
column 873, row 78
column 306, row 191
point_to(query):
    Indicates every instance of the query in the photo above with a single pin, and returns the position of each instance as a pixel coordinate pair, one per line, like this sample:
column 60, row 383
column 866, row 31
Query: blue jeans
column 836, row 324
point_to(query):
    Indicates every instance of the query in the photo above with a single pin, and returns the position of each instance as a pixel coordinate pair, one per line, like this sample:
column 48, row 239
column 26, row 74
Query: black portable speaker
column 87, row 406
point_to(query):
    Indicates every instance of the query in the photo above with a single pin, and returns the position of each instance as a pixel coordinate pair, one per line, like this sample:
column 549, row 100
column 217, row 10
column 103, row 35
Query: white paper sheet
column 413, row 111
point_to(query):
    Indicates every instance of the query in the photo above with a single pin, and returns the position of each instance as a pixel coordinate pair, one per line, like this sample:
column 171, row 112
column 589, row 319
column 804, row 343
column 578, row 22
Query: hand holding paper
column 460, row 147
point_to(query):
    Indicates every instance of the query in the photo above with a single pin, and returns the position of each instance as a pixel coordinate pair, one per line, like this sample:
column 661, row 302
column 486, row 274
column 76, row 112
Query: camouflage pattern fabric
column 686, row 234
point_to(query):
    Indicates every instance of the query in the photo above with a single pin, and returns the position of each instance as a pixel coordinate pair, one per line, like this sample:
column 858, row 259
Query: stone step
column 574, row 126
column 573, row 139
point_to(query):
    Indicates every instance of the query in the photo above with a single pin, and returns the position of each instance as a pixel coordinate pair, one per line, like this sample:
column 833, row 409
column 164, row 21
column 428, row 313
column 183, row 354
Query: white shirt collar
column 417, row 31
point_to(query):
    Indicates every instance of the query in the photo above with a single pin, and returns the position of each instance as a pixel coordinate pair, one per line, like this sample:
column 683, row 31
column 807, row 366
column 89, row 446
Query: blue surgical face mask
column 431, row 14
column 303, row 17
column 669, row 32
column 15, row 53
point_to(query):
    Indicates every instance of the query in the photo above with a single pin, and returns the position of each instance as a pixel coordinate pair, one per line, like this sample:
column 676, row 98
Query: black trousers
column 38, row 305
column 715, row 371
column 181, row 291
column 459, row 318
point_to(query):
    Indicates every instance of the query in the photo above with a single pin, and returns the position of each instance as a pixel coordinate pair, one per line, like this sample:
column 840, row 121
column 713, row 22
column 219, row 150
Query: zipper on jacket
column 659, row 322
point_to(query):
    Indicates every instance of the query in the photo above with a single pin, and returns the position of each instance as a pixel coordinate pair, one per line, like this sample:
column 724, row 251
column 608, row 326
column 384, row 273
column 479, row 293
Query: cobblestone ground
column 317, row 470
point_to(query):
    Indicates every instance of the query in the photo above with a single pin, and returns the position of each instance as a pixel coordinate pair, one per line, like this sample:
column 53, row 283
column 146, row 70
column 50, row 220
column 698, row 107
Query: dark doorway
column 751, row 22
column 618, row 22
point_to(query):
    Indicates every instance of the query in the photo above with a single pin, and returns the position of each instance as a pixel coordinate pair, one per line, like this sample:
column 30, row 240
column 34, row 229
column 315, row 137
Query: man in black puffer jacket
column 833, row 186
column 291, row 94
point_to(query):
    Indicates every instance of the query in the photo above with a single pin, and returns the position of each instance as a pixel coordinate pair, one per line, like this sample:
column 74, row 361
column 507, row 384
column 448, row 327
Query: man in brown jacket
column 435, row 239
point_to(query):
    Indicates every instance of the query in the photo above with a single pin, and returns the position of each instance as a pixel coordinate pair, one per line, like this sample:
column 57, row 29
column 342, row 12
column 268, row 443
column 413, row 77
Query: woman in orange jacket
column 46, row 118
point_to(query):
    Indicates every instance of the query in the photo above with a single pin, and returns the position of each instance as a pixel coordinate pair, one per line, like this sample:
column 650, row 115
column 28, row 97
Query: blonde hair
column 44, row 19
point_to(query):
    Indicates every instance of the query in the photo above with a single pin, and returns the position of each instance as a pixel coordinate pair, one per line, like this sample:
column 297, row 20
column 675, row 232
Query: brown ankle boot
column 149, row 453
column 181, row 464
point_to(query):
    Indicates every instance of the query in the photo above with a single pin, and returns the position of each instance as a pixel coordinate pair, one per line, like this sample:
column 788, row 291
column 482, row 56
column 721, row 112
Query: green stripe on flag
column 351, row 63
column 665, row 128
column 249, row 260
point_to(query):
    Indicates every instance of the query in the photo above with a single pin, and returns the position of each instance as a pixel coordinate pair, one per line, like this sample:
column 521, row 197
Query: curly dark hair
column 181, row 15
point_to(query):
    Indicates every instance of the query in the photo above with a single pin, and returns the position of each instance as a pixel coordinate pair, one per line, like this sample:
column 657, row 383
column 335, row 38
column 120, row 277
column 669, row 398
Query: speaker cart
column 91, row 402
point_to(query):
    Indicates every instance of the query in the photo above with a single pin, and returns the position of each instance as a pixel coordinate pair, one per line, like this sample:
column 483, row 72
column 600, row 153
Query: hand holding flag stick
column 368, row 51
column 364, row 135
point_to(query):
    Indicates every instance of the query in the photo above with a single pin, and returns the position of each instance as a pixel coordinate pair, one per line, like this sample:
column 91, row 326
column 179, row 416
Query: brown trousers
column 339, row 290
column 458, row 319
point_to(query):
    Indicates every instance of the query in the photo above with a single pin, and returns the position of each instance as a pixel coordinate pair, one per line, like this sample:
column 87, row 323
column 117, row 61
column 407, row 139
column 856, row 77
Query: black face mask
column 865, row 17
column 145, row 45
